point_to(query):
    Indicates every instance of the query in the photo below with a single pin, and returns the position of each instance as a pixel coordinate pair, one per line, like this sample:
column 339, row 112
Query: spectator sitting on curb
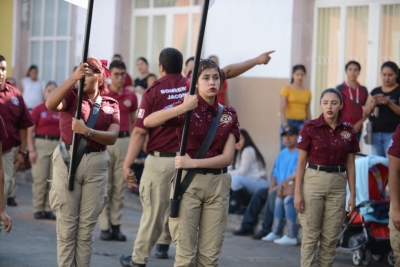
column 284, row 169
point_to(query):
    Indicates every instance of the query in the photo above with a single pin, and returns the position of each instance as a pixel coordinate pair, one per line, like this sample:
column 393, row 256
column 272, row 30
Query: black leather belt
column 212, row 171
column 163, row 154
column 328, row 169
column 89, row 149
column 123, row 134
column 47, row 137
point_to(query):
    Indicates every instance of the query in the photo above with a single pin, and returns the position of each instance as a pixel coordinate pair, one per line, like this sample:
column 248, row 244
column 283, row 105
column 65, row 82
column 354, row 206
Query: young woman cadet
column 77, row 211
column 198, row 232
column 329, row 145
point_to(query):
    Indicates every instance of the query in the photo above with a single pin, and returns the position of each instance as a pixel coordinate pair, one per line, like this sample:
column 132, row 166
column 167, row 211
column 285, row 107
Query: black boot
column 38, row 215
column 106, row 235
column 244, row 231
column 116, row 233
column 162, row 251
column 11, row 202
column 49, row 215
column 126, row 261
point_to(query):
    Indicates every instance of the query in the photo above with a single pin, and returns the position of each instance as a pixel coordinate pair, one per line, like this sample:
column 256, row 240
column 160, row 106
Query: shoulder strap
column 203, row 149
column 91, row 122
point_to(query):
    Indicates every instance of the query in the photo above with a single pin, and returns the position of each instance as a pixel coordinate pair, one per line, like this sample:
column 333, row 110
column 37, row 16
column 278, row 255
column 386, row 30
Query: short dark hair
column 2, row 58
column 172, row 60
column 188, row 60
column 32, row 67
column 296, row 68
column 142, row 59
column 117, row 64
column 51, row 83
column 352, row 62
column 117, row 55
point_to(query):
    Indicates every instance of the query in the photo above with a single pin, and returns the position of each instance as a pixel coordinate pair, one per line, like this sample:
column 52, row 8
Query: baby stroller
column 365, row 231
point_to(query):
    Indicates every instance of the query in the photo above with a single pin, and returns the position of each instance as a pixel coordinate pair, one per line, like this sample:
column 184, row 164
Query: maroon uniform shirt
column 109, row 114
column 200, row 123
column 3, row 132
column 15, row 115
column 164, row 92
column 127, row 101
column 47, row 122
column 394, row 145
column 326, row 146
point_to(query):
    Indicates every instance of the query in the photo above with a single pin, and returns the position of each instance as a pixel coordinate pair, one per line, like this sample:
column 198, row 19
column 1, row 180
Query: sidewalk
column 33, row 242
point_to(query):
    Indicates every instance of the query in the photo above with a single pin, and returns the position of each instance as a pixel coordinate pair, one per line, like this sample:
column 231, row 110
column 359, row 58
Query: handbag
column 286, row 189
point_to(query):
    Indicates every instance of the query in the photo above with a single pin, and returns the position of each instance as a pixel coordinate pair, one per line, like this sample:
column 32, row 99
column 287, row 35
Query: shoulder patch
column 225, row 118
column 140, row 113
column 391, row 142
column 108, row 110
column 299, row 139
column 345, row 134
column 15, row 100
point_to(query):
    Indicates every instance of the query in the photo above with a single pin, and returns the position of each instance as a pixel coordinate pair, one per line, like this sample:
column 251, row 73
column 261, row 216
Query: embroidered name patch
column 108, row 110
column 127, row 103
column 225, row 118
column 15, row 100
column 345, row 135
column 140, row 114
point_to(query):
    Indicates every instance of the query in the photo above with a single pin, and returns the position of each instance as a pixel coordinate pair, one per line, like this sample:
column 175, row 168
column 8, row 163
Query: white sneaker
column 270, row 237
column 285, row 240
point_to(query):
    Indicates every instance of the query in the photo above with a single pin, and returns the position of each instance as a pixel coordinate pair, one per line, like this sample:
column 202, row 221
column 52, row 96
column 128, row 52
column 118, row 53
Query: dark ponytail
column 295, row 68
column 248, row 142
column 394, row 67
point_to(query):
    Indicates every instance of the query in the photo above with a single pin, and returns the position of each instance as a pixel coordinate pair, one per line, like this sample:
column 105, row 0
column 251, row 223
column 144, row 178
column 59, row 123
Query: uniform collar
column 213, row 108
column 170, row 76
column 321, row 122
column 124, row 89
column 5, row 86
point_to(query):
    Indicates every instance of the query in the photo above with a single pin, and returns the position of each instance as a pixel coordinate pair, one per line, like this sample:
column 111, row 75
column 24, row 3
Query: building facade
column 320, row 34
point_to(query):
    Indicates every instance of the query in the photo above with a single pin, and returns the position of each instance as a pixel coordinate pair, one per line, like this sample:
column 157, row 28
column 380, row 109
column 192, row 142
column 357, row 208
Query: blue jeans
column 257, row 202
column 251, row 185
column 285, row 207
column 380, row 143
column 298, row 123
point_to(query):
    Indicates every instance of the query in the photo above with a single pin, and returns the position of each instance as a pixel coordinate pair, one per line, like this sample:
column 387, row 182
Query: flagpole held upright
column 174, row 202
column 75, row 140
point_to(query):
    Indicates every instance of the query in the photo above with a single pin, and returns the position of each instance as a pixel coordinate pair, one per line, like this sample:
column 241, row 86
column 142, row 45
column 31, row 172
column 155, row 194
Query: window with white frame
column 50, row 38
column 349, row 31
column 164, row 23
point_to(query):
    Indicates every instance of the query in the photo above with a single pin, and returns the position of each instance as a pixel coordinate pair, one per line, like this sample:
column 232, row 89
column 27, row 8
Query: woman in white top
column 32, row 88
column 247, row 170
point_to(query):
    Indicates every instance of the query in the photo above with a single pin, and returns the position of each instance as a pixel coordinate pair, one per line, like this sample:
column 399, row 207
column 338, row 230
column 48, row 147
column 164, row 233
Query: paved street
column 33, row 243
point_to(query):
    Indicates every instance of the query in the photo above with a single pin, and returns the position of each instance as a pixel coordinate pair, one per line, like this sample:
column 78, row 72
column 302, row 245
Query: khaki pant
column 9, row 172
column 394, row 240
column 112, row 212
column 12, row 193
column 324, row 212
column 78, row 211
column 199, row 230
column 42, row 171
column 154, row 192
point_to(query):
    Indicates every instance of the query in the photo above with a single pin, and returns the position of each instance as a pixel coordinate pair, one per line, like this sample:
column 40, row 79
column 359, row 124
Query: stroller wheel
column 358, row 256
column 376, row 257
column 389, row 258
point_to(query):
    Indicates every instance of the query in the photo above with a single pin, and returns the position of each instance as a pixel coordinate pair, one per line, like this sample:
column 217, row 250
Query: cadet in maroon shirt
column 394, row 185
column 16, row 119
column 43, row 138
column 3, row 215
column 110, row 218
column 162, row 146
column 198, row 232
column 77, row 211
column 329, row 145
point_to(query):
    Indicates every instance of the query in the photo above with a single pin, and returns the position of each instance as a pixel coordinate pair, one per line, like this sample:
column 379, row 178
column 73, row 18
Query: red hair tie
column 105, row 71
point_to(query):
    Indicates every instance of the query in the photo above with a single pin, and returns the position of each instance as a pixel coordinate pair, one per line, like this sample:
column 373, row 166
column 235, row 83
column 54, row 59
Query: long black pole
column 75, row 141
column 174, row 205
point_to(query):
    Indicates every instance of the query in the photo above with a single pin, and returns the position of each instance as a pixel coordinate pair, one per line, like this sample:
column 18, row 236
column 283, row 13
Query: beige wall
column 256, row 101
